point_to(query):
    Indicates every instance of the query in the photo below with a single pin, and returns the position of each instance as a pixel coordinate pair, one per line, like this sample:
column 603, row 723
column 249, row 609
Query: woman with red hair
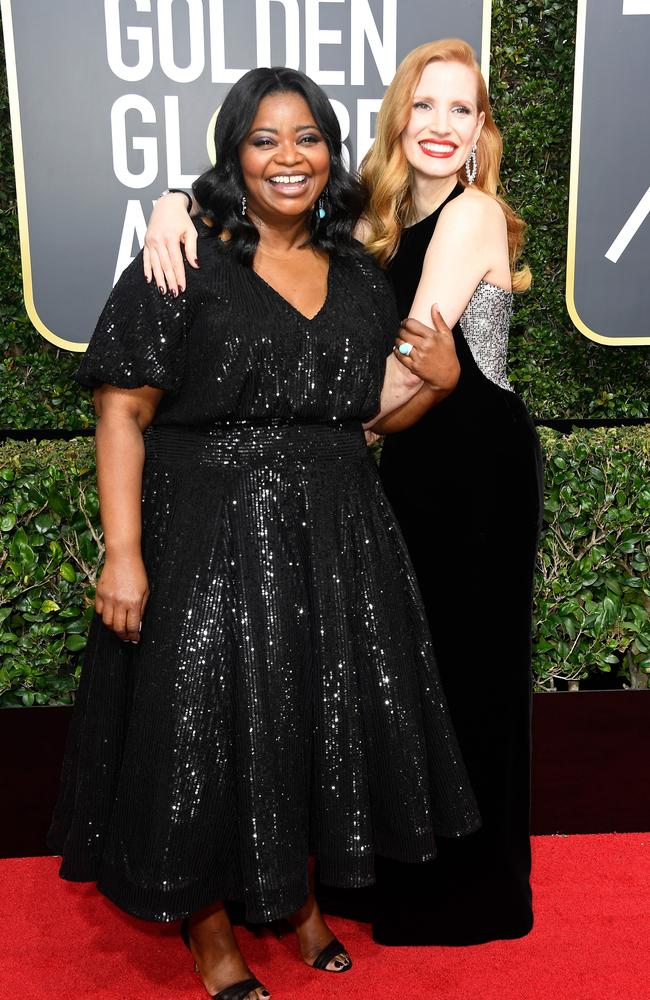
column 465, row 481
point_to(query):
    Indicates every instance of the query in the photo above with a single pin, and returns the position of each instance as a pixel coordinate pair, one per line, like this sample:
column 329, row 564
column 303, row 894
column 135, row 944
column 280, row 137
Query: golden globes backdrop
column 608, row 265
column 112, row 102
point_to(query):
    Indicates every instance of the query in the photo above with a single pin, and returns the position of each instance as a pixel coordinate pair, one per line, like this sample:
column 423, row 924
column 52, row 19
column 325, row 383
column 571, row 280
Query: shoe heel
column 184, row 931
column 281, row 928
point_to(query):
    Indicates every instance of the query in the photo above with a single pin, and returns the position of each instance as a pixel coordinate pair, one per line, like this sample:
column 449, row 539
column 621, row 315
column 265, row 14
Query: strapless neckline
column 497, row 288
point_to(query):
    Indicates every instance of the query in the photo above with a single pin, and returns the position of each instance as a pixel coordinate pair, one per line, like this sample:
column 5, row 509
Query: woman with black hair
column 259, row 686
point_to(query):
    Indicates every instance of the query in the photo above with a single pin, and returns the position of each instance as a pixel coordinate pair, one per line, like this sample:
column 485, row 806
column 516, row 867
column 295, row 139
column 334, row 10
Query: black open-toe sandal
column 329, row 952
column 324, row 957
column 238, row 991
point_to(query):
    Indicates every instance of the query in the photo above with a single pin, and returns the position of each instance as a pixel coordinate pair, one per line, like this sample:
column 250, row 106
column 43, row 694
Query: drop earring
column 243, row 204
column 322, row 205
column 471, row 166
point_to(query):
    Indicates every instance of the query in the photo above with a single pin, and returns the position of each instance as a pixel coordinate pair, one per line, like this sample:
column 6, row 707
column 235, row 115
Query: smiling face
column 445, row 121
column 284, row 158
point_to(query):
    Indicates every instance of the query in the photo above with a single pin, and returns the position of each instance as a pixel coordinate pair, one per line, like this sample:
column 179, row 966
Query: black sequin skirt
column 284, row 700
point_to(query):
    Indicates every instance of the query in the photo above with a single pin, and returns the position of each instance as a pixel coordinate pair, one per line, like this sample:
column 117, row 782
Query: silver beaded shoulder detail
column 486, row 325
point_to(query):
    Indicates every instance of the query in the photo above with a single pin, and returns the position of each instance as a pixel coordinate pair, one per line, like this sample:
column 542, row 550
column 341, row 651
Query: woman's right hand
column 122, row 595
column 170, row 227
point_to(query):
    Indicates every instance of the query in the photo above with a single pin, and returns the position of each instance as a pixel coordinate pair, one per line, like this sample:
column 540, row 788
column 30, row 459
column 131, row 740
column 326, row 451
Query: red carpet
column 590, row 942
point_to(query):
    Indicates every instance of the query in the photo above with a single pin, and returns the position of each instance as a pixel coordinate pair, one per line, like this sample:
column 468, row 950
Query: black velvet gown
column 466, row 486
column 284, row 699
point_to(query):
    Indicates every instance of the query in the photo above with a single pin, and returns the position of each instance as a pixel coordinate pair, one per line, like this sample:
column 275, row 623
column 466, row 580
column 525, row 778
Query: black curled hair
column 219, row 190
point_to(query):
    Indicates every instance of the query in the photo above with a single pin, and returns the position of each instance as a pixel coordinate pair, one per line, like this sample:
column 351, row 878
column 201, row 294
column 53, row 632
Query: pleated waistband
column 255, row 445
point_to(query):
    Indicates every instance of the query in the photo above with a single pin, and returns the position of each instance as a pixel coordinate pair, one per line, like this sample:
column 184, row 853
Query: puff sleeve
column 139, row 338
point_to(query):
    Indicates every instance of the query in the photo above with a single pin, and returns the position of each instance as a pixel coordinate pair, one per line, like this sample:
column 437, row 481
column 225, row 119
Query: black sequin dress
column 283, row 701
column 470, row 471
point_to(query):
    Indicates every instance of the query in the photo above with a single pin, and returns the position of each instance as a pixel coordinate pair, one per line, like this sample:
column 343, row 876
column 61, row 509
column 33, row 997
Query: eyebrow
column 458, row 100
column 274, row 131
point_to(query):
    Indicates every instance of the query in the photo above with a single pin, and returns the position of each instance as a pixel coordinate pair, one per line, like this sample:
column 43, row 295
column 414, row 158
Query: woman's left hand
column 433, row 355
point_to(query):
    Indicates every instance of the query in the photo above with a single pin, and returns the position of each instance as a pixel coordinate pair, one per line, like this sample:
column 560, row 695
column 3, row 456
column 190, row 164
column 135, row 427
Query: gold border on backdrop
column 21, row 191
column 573, row 195
column 19, row 165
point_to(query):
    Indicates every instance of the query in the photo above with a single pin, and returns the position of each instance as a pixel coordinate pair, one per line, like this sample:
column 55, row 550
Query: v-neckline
column 290, row 305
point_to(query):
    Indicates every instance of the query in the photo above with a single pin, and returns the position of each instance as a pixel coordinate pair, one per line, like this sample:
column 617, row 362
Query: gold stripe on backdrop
column 573, row 194
column 21, row 193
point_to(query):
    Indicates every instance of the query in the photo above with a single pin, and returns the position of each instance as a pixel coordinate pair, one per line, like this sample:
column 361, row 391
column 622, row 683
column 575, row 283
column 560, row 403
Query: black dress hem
column 155, row 906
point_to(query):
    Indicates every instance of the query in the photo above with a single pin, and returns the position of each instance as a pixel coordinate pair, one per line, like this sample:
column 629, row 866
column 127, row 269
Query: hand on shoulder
column 170, row 229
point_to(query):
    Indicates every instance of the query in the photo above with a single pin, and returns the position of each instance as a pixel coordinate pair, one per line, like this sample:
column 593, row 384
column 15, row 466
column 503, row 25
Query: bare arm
column 398, row 387
column 409, row 413
column 170, row 227
column 122, row 590
column 469, row 243
column 415, row 382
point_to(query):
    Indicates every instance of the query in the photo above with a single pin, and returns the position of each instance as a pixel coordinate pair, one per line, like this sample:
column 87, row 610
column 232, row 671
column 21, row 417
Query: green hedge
column 50, row 550
column 558, row 372
column 593, row 587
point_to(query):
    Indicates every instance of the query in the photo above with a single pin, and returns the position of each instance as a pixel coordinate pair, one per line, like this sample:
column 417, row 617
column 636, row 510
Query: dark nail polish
column 196, row 264
column 161, row 289
column 148, row 280
column 181, row 289
column 175, row 292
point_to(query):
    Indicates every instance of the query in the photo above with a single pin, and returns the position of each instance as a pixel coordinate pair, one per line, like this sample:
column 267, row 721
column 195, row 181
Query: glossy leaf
column 75, row 643
column 68, row 572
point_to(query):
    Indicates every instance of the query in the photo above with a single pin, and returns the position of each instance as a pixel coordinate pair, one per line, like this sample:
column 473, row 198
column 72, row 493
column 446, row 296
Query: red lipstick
column 439, row 155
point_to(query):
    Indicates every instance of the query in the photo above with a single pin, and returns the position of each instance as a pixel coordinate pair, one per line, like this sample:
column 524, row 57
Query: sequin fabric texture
column 486, row 325
column 284, row 700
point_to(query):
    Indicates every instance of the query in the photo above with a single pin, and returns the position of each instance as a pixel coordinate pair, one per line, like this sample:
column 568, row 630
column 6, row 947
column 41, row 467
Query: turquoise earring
column 322, row 205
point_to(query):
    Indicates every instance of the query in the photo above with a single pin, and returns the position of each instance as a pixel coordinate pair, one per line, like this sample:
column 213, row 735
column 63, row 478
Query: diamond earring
column 243, row 204
column 471, row 166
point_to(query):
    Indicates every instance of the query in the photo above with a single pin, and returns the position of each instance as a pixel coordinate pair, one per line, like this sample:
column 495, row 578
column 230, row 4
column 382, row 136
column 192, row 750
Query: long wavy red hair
column 388, row 175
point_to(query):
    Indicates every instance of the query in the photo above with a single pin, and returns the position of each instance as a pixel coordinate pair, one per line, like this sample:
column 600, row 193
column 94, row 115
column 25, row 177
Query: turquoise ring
column 405, row 349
